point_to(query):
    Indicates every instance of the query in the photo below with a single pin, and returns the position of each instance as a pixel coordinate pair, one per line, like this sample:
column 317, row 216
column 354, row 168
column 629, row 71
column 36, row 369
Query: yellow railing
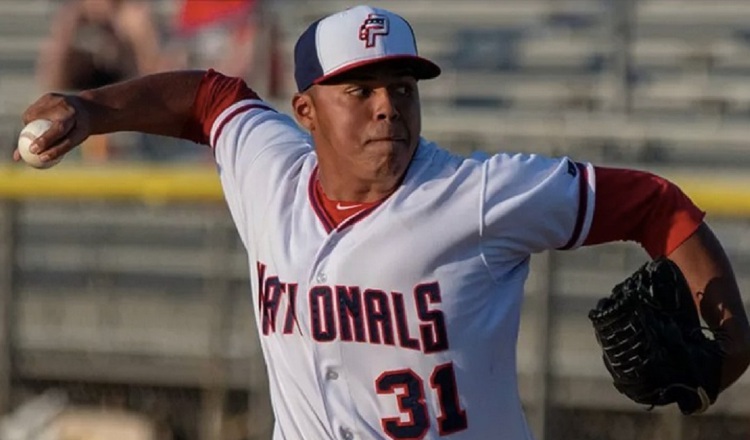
column 157, row 184
column 718, row 195
column 726, row 197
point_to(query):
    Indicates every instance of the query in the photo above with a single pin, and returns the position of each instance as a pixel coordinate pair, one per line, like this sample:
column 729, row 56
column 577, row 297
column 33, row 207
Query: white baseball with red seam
column 30, row 132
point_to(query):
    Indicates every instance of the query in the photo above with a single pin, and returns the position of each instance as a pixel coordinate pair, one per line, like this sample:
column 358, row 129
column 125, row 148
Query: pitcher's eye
column 404, row 90
column 360, row 91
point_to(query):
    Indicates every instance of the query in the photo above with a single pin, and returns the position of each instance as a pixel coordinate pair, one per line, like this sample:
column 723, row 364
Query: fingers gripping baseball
column 70, row 125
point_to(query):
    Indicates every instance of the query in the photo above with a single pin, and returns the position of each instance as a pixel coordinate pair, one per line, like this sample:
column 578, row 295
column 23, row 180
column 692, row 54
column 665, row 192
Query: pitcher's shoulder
column 441, row 157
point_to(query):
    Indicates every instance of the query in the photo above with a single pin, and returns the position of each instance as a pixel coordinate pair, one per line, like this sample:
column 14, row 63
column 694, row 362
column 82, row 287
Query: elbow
column 743, row 351
column 742, row 360
column 735, row 345
column 737, row 352
column 743, row 344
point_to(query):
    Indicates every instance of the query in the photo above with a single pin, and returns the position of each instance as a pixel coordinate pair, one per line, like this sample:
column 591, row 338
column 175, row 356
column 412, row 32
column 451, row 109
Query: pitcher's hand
column 70, row 125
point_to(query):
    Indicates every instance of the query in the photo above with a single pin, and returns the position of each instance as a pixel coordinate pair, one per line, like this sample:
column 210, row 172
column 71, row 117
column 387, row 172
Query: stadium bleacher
column 532, row 61
column 686, row 60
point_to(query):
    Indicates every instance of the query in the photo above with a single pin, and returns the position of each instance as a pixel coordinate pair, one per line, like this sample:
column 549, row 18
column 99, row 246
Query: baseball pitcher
column 387, row 273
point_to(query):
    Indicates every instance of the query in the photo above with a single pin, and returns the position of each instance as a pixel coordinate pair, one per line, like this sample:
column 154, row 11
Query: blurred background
column 125, row 309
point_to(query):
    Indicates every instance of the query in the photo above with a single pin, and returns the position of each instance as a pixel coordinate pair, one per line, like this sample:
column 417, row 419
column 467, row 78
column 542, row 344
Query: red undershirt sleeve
column 642, row 207
column 216, row 93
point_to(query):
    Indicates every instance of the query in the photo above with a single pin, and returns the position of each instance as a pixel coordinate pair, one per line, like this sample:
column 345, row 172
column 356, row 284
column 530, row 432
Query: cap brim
column 420, row 68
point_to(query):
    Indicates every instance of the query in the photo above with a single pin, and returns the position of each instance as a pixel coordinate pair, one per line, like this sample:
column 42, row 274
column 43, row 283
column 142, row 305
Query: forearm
column 181, row 104
column 709, row 274
column 157, row 104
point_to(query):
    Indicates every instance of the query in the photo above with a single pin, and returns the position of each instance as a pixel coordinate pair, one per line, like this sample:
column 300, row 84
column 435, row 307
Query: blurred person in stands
column 221, row 35
column 215, row 34
column 93, row 43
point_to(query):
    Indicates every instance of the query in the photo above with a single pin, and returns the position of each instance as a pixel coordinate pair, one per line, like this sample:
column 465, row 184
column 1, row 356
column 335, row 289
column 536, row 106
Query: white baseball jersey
column 401, row 322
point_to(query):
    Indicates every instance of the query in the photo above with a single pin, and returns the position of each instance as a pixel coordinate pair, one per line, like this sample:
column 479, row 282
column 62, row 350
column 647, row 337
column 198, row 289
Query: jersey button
column 346, row 433
column 332, row 375
column 321, row 278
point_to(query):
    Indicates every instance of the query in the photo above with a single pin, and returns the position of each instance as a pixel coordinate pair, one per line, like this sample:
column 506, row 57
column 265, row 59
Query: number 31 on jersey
column 410, row 392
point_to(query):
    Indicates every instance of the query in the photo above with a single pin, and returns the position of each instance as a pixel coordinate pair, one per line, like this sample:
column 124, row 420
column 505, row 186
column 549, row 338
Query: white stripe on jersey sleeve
column 231, row 112
column 591, row 202
column 532, row 203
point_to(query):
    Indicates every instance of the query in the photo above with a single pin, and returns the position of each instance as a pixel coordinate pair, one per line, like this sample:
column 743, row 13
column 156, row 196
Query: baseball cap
column 353, row 38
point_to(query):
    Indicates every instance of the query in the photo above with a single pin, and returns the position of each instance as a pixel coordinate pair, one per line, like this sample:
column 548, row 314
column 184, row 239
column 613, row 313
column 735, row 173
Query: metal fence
column 102, row 285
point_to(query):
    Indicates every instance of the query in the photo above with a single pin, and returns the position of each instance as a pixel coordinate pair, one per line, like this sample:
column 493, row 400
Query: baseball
column 30, row 132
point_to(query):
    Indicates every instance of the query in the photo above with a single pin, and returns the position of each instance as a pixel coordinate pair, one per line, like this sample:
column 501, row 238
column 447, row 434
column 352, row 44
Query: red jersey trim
column 215, row 94
column 317, row 205
column 329, row 220
column 359, row 216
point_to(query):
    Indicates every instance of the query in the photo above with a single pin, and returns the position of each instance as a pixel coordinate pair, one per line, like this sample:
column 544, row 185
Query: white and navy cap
column 353, row 38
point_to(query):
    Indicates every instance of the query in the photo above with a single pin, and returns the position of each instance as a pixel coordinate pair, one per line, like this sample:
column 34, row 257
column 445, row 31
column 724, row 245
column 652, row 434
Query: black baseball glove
column 653, row 343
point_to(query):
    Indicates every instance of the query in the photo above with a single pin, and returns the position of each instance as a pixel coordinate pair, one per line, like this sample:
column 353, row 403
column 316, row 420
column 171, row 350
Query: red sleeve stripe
column 216, row 93
column 232, row 114
column 638, row 206
column 583, row 208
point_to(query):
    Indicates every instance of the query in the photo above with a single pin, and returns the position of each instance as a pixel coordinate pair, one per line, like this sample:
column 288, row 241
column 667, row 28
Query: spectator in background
column 93, row 43
column 215, row 34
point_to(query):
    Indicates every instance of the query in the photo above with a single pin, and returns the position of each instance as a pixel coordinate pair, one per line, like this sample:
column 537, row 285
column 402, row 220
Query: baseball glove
column 653, row 343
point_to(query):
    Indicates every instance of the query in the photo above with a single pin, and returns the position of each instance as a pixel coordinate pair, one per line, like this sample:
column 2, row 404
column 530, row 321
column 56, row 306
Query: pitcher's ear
column 304, row 110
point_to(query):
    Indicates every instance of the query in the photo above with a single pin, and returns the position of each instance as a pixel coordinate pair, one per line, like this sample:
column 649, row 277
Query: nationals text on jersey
column 353, row 313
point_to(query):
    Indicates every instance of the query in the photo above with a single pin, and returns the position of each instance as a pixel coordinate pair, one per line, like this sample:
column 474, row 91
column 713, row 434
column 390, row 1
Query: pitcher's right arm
column 168, row 104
